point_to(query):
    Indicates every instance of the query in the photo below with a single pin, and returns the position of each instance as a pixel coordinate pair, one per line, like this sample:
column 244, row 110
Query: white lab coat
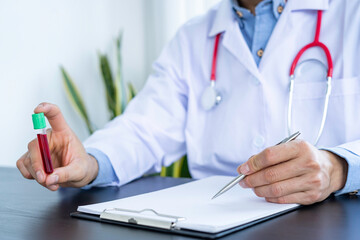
column 166, row 120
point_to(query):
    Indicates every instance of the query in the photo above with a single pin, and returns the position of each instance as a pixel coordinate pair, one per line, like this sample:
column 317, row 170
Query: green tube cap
column 39, row 121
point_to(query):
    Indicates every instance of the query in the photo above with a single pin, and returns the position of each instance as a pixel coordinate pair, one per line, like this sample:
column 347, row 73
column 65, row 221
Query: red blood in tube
column 45, row 153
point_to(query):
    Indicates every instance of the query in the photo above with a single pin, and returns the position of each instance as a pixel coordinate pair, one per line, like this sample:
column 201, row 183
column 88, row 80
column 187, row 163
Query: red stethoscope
column 211, row 97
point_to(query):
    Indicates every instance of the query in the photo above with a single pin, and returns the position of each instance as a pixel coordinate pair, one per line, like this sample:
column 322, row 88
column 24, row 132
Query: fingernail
column 39, row 176
column 53, row 179
column 53, row 187
column 243, row 184
column 41, row 105
column 244, row 169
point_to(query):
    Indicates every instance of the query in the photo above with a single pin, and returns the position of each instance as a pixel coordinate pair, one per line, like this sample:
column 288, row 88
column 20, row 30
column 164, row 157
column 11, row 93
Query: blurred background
column 39, row 36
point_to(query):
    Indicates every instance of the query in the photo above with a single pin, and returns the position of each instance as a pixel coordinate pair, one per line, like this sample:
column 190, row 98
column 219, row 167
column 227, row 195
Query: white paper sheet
column 193, row 202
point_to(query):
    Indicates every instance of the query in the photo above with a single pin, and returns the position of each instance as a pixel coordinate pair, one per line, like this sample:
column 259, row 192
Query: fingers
column 274, row 174
column 303, row 198
column 292, row 198
column 30, row 166
column 282, row 188
column 53, row 187
column 65, row 176
column 54, row 115
column 295, row 190
column 33, row 162
column 274, row 155
column 20, row 165
column 295, row 172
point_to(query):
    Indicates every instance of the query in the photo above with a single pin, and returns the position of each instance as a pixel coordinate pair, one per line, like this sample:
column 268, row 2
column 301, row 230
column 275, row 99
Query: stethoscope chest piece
column 210, row 97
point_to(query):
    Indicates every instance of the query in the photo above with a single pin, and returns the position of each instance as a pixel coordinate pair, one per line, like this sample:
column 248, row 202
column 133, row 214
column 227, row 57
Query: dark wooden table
column 29, row 211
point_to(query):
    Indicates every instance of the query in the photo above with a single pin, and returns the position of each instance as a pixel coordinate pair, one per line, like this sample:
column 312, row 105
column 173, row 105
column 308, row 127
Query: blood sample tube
column 40, row 128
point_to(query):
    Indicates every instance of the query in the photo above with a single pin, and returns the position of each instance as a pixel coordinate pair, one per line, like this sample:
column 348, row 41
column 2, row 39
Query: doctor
column 246, row 110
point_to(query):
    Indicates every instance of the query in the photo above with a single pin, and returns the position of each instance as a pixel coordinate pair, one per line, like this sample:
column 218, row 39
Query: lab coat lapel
column 232, row 40
column 281, row 35
column 235, row 43
column 282, row 32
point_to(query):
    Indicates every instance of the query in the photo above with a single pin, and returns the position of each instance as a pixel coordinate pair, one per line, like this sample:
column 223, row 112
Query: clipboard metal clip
column 146, row 217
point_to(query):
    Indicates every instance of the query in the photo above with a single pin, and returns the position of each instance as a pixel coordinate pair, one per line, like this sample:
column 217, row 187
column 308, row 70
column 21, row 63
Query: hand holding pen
column 294, row 172
column 243, row 175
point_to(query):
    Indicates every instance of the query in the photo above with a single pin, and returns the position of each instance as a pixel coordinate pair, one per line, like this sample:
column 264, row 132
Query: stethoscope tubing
column 315, row 43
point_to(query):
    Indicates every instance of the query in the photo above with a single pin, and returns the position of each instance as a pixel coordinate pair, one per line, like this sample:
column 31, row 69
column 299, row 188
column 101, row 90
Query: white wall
column 164, row 17
column 37, row 36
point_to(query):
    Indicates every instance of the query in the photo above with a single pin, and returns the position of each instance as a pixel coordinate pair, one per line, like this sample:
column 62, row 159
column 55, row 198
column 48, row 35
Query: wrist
column 93, row 168
column 338, row 173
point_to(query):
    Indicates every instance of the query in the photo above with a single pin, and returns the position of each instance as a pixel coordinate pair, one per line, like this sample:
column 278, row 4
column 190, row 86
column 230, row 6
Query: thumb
column 54, row 115
column 62, row 175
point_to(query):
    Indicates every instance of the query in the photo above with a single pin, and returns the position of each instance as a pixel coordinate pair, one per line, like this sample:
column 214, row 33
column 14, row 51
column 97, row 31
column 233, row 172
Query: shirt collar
column 224, row 15
column 276, row 5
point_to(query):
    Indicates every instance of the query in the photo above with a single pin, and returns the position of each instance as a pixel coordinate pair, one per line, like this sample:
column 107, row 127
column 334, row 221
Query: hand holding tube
column 73, row 167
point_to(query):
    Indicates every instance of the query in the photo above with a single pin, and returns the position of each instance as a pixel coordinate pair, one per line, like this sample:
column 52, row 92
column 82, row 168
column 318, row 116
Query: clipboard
column 188, row 210
column 155, row 226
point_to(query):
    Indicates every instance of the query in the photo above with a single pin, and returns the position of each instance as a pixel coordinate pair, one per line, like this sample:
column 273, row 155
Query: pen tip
column 215, row 196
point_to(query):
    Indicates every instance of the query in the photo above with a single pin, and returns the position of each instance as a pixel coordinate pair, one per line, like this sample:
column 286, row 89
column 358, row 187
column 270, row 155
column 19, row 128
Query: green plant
column 114, row 88
column 76, row 99
column 177, row 169
column 117, row 97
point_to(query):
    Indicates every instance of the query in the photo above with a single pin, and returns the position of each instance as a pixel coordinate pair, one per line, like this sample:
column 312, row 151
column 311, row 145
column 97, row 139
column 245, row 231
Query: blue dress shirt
column 256, row 30
column 106, row 175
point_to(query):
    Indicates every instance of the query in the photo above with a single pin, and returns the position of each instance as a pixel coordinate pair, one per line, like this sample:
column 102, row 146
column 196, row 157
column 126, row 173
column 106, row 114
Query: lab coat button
column 260, row 52
column 259, row 141
column 280, row 9
column 240, row 14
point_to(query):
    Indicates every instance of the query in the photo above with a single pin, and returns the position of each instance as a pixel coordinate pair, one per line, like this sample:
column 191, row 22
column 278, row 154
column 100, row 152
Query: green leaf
column 185, row 173
column 170, row 170
column 110, row 89
column 121, row 93
column 163, row 172
column 177, row 169
column 132, row 92
column 75, row 98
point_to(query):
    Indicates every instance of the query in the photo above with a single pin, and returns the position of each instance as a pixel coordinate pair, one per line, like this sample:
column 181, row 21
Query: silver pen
column 241, row 176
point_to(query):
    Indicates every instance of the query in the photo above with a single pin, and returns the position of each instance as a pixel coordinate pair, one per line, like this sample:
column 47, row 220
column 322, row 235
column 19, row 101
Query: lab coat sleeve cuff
column 353, row 176
column 106, row 175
